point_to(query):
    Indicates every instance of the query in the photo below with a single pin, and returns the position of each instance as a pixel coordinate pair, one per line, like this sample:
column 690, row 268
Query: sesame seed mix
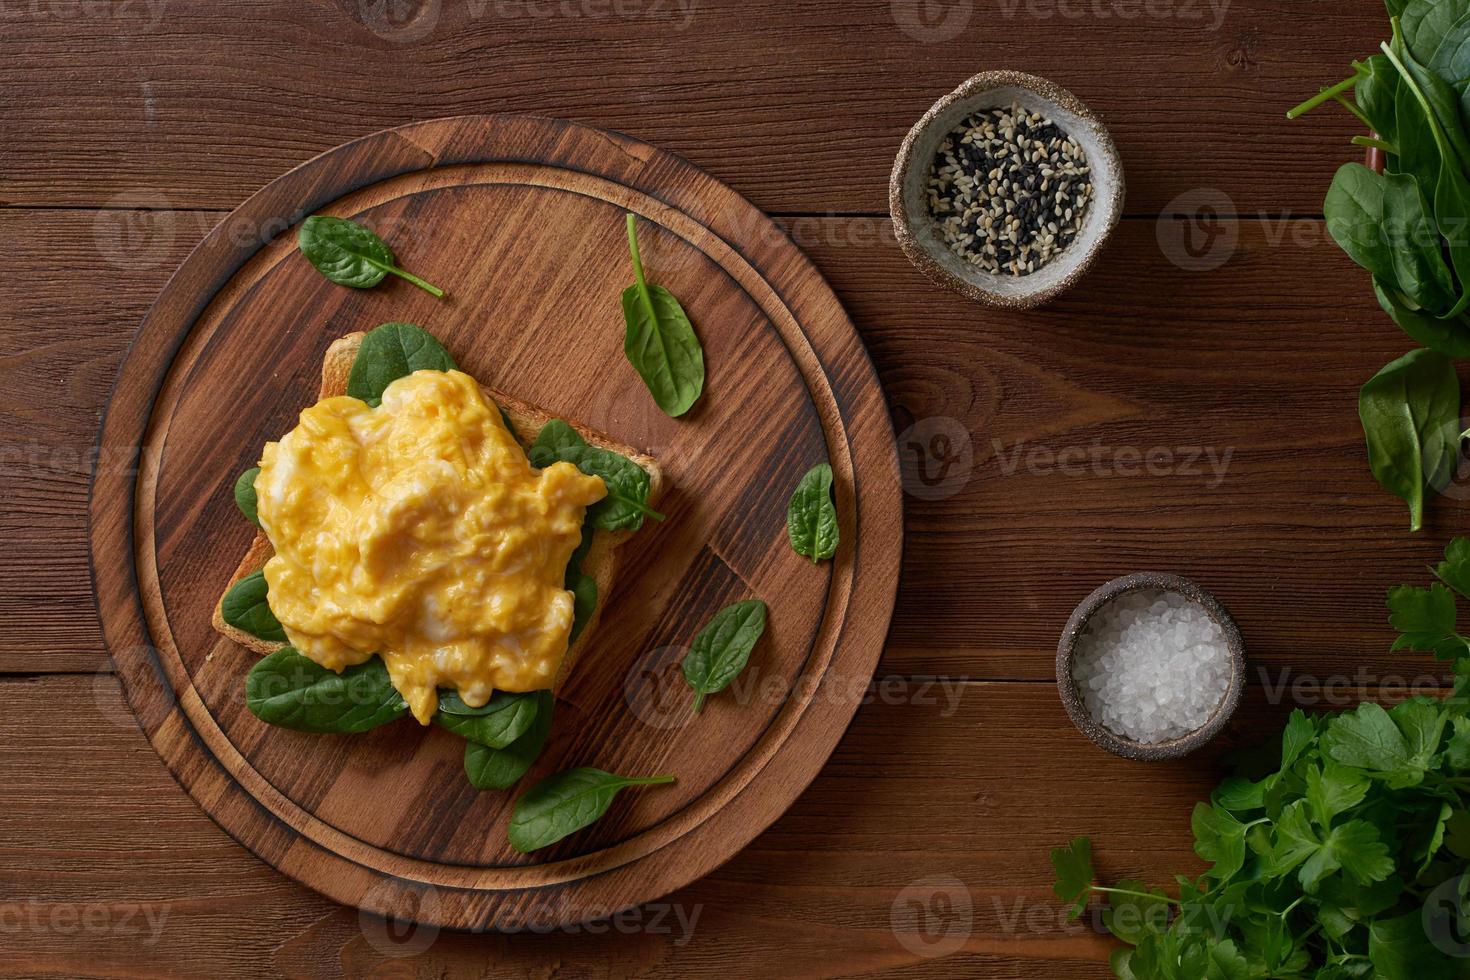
column 1008, row 190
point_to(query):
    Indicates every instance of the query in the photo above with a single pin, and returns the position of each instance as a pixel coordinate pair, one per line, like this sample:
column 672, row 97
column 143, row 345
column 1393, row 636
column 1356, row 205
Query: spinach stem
column 1368, row 141
column 637, row 505
column 1323, row 96
column 649, row 780
column 637, row 259
column 1123, row 891
column 427, row 287
column 698, row 701
column 1351, row 107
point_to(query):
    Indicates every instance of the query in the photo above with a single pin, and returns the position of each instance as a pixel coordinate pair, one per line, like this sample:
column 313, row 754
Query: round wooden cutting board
column 521, row 221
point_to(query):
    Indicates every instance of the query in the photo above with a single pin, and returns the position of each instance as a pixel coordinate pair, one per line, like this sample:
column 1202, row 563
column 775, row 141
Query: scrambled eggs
column 419, row 531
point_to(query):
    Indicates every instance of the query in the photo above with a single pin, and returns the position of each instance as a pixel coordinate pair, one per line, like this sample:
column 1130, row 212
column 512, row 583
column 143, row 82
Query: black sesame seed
column 1008, row 190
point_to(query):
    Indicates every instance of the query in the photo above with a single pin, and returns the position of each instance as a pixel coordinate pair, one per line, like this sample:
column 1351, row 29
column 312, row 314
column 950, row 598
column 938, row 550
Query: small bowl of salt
column 1150, row 666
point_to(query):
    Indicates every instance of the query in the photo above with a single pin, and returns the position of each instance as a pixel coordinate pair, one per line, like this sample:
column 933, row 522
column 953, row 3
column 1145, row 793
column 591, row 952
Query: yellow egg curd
column 419, row 531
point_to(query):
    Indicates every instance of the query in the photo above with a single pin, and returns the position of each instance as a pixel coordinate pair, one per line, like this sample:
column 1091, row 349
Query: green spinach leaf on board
column 722, row 649
column 489, row 768
column 1344, row 855
column 350, row 254
column 660, row 342
column 245, row 498
column 292, row 691
column 582, row 586
column 811, row 516
column 1409, row 412
column 392, row 351
column 505, row 718
column 626, row 503
column 563, row 804
column 246, row 607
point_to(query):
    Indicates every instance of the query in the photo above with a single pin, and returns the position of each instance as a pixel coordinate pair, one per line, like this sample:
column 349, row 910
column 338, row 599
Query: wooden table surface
column 1190, row 407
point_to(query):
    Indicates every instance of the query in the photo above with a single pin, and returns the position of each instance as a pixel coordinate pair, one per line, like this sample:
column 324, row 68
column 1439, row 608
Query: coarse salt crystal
column 1152, row 666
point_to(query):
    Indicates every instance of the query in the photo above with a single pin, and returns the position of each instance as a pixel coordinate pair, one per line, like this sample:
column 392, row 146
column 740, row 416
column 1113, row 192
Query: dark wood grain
column 226, row 359
column 1297, row 539
column 903, row 801
column 799, row 106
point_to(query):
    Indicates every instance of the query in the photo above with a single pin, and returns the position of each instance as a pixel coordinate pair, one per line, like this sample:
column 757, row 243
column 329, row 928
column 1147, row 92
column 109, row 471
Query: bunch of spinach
column 1349, row 856
column 1409, row 226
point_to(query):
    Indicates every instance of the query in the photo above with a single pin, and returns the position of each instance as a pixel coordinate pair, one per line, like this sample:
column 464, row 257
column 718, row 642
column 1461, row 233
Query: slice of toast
column 527, row 420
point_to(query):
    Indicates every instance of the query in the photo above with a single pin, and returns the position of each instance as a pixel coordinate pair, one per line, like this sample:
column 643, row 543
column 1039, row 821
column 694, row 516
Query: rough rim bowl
column 1126, row 747
column 908, row 202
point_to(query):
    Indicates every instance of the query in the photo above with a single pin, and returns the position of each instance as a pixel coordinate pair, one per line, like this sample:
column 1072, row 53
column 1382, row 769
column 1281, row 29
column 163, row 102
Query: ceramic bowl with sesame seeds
column 1006, row 190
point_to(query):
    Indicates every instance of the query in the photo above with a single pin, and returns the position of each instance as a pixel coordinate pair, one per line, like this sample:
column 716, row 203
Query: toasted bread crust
column 528, row 420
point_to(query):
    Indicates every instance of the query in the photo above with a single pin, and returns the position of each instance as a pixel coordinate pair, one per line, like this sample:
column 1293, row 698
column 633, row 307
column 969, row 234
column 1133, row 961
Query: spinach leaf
column 565, row 803
column 1434, row 150
column 1418, row 265
column 1450, row 336
column 489, row 768
column 503, row 719
column 582, row 586
column 247, row 608
column 1451, row 60
column 626, row 503
column 660, row 341
column 349, row 254
column 1409, row 411
column 392, row 351
column 292, row 691
column 1376, row 93
column 1426, row 23
column 245, row 495
column 720, row 651
column 811, row 517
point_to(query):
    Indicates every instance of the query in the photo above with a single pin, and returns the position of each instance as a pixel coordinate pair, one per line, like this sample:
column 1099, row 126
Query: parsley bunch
column 1351, row 859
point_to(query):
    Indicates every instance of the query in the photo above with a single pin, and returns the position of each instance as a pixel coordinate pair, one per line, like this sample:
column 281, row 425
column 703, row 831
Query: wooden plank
column 92, row 825
column 804, row 115
column 1260, row 357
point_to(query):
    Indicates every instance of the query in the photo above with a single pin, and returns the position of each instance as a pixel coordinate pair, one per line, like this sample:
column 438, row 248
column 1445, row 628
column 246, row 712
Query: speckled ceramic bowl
column 908, row 201
column 1072, row 698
